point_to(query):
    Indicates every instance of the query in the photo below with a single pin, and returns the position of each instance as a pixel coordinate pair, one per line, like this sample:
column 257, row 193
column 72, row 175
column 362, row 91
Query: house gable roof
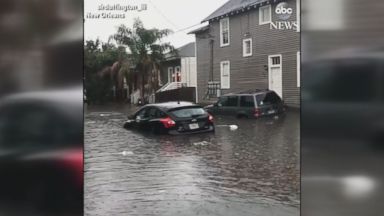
column 233, row 5
column 198, row 30
column 188, row 50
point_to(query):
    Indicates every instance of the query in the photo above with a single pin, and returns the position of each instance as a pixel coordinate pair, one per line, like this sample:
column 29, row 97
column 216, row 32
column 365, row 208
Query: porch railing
column 171, row 86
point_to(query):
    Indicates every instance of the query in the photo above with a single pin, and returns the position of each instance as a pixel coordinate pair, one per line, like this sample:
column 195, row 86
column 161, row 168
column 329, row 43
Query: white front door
column 174, row 74
column 275, row 75
column 177, row 74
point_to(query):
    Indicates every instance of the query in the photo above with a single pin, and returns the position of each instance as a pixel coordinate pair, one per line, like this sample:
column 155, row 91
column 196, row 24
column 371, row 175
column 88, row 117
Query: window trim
column 221, row 33
column 260, row 14
column 270, row 63
column 298, row 67
column 178, row 73
column 298, row 15
column 244, row 47
column 221, row 74
column 170, row 71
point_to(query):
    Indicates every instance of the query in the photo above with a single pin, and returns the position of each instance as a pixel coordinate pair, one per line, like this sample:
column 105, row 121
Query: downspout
column 211, row 41
column 195, row 77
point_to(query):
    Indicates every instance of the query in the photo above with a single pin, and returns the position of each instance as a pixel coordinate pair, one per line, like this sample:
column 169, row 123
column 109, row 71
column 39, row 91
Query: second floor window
column 224, row 32
column 247, row 47
column 265, row 15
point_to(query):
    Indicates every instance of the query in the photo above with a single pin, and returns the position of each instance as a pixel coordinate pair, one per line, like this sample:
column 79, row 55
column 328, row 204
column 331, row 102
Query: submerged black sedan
column 171, row 118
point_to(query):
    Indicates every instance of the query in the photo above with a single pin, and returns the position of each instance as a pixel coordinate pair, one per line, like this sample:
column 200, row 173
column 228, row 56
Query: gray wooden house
column 179, row 70
column 250, row 44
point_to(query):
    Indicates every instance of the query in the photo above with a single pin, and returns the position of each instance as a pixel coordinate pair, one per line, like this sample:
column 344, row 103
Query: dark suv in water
column 248, row 104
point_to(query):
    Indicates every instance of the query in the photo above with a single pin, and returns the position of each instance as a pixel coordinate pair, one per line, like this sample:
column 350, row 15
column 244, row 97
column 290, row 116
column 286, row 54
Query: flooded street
column 254, row 170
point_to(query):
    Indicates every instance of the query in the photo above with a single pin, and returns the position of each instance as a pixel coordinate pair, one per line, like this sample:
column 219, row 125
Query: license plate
column 193, row 126
column 271, row 111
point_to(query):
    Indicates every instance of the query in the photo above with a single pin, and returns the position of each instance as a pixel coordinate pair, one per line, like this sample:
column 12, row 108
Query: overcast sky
column 172, row 14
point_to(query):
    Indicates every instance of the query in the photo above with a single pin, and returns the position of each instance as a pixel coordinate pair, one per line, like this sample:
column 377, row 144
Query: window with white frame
column 276, row 61
column 225, row 74
column 298, row 68
column 224, row 32
column 247, row 47
column 265, row 15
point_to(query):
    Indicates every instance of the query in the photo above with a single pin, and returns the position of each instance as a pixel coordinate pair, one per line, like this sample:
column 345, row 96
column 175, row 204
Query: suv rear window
column 267, row 99
column 188, row 112
column 247, row 101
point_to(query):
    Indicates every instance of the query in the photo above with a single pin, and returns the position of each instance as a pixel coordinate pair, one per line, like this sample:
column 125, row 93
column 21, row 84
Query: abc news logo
column 283, row 11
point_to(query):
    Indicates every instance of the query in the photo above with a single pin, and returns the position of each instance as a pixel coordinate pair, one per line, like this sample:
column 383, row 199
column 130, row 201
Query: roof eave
column 205, row 28
column 237, row 11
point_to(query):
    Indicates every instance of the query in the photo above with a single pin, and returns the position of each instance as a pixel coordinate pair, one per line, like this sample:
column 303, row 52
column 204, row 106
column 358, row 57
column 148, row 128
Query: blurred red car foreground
column 41, row 151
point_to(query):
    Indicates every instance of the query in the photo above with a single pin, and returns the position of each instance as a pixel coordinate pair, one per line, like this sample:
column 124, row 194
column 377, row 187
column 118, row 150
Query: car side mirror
column 219, row 104
column 138, row 118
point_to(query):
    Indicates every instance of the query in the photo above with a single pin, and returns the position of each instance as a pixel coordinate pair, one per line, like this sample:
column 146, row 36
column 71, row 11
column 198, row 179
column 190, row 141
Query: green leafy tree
column 147, row 50
column 103, row 70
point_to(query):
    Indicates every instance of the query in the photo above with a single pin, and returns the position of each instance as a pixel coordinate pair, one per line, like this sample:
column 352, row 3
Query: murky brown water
column 254, row 170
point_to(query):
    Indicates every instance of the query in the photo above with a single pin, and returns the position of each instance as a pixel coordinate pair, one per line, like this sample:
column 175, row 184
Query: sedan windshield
column 188, row 112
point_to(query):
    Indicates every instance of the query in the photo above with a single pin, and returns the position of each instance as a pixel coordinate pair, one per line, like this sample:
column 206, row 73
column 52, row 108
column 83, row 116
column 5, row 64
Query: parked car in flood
column 248, row 104
column 171, row 118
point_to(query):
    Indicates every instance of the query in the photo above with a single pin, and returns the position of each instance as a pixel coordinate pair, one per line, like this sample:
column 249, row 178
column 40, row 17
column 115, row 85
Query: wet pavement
column 254, row 170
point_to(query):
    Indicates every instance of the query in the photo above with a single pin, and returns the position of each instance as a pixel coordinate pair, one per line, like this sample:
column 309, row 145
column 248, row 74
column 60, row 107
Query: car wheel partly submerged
column 126, row 125
column 153, row 130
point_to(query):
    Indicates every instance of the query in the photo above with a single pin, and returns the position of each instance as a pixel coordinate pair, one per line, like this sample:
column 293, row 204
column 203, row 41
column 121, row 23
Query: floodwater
column 254, row 170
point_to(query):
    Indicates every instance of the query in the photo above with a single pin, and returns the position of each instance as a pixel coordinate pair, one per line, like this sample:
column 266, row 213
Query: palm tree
column 147, row 51
column 116, row 72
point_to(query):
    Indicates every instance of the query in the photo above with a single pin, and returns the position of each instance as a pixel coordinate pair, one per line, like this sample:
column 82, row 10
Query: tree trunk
column 156, row 78
column 120, row 84
column 142, row 82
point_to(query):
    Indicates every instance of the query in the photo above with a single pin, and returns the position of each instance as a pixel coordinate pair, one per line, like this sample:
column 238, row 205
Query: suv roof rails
column 251, row 91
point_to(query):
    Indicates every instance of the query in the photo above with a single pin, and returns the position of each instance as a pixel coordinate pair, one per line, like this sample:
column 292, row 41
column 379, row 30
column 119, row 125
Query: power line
column 166, row 18
column 187, row 28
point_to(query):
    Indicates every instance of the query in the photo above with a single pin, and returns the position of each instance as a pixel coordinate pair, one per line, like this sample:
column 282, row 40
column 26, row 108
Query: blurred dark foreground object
column 41, row 154
column 342, row 107
column 342, row 134
column 41, row 158
column 343, row 96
